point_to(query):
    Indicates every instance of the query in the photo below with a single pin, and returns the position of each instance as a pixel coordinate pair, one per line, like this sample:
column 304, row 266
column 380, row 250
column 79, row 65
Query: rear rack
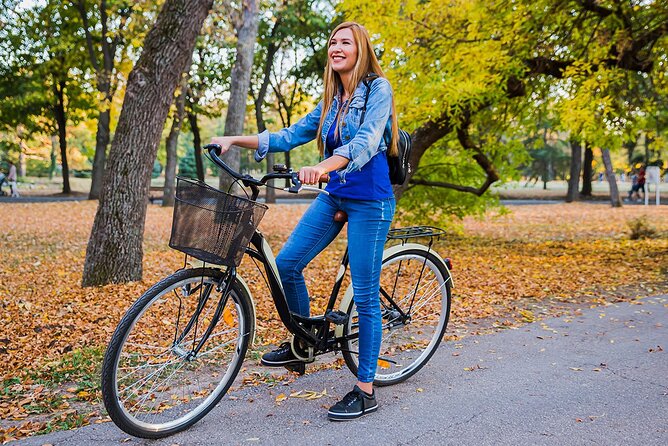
column 410, row 232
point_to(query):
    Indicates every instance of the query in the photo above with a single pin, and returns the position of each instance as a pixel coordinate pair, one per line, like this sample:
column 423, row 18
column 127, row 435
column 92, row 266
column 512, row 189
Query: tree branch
column 458, row 187
column 593, row 6
column 89, row 38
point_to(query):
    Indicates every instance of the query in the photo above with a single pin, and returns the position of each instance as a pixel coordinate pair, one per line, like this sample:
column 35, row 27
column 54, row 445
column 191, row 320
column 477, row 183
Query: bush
column 187, row 166
column 37, row 167
column 641, row 228
column 157, row 170
column 82, row 173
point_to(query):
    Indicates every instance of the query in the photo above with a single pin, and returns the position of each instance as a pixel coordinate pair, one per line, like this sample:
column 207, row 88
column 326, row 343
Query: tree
column 105, row 27
column 575, row 167
column 246, row 26
column 114, row 253
column 172, row 142
column 42, row 88
column 296, row 28
column 455, row 66
column 615, row 199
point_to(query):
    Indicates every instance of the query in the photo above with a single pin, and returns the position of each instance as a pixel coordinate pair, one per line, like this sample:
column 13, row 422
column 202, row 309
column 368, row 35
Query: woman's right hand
column 225, row 142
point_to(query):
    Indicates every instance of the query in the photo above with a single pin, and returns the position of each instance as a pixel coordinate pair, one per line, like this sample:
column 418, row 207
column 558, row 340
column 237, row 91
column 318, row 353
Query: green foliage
column 492, row 69
column 187, row 166
column 157, row 169
column 444, row 206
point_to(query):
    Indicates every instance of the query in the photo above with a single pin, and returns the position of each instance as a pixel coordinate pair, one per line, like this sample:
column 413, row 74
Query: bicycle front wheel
column 154, row 380
column 415, row 300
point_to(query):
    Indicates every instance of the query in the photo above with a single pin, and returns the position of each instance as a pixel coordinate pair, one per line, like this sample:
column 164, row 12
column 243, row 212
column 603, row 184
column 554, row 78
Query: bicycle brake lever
column 315, row 189
column 296, row 184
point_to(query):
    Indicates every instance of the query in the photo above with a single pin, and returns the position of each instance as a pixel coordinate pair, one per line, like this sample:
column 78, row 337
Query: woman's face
column 342, row 51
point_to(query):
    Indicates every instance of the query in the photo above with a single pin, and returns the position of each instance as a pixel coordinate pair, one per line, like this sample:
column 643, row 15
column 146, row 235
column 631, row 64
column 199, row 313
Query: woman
column 355, row 158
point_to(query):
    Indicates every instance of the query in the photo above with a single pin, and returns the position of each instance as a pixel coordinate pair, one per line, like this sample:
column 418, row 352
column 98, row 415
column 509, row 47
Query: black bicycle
column 180, row 346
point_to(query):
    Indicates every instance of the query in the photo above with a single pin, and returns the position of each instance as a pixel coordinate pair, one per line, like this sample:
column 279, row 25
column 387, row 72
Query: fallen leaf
column 227, row 316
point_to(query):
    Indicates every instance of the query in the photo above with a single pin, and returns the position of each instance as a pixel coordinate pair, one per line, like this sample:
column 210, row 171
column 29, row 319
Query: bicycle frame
column 312, row 330
column 301, row 327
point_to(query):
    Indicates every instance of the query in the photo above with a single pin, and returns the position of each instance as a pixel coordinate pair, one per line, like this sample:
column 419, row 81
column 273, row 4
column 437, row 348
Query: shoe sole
column 279, row 364
column 347, row 417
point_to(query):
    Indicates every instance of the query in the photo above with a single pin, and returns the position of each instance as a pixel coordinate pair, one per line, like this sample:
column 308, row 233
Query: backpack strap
column 368, row 80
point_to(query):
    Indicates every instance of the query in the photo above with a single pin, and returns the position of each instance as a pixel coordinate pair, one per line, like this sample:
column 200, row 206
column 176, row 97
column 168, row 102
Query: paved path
column 599, row 378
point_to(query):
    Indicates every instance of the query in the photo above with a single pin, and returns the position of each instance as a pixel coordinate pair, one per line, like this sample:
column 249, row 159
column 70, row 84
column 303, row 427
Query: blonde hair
column 366, row 63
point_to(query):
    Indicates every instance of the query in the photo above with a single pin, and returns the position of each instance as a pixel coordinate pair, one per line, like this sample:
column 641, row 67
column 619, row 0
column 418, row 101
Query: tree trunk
column 239, row 84
column 104, row 87
column 22, row 151
column 649, row 140
column 576, row 166
column 270, row 192
column 587, row 172
column 197, row 143
column 101, row 143
column 172, row 143
column 615, row 199
column 630, row 148
column 422, row 138
column 54, row 159
column 114, row 253
column 61, row 121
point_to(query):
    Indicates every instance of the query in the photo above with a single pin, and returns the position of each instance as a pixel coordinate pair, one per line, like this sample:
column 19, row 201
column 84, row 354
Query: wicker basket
column 211, row 225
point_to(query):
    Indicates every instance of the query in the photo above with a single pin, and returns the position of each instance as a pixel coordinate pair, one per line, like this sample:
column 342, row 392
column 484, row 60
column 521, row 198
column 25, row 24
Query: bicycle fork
column 224, row 286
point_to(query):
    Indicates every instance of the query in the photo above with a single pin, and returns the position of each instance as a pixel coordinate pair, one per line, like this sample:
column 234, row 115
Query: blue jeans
column 368, row 223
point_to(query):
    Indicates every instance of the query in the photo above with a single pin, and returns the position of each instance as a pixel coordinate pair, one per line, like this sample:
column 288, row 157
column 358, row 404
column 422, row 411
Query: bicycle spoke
column 152, row 375
column 415, row 291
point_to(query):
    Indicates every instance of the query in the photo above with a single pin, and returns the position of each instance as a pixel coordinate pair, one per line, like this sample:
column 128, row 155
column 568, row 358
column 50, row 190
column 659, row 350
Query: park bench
column 155, row 193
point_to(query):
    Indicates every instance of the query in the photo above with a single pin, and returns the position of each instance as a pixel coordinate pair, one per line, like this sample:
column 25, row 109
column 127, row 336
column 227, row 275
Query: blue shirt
column 371, row 182
column 360, row 142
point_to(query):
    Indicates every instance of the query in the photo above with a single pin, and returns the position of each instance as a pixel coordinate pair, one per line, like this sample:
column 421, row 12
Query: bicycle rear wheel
column 152, row 384
column 415, row 306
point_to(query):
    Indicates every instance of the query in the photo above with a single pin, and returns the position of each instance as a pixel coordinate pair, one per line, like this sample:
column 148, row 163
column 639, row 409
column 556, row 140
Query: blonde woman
column 355, row 157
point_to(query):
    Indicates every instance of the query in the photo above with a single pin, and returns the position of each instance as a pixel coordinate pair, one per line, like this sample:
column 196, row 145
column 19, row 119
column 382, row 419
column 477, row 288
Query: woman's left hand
column 311, row 174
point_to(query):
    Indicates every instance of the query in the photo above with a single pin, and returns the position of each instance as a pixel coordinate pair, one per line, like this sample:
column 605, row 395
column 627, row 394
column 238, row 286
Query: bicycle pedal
column 336, row 317
column 296, row 367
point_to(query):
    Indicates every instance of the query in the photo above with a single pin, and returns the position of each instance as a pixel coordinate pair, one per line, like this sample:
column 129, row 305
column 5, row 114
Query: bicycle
column 179, row 347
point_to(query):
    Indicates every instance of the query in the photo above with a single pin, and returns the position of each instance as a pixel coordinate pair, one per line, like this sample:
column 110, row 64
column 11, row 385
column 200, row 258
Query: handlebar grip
column 324, row 178
column 215, row 148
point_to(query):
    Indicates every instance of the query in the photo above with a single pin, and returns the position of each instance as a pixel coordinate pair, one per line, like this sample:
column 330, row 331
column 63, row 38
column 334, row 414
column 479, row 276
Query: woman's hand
column 311, row 174
column 225, row 142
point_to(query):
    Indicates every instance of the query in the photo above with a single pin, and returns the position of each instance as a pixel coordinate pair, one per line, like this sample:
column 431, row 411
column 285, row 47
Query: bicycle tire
column 406, row 347
column 203, row 380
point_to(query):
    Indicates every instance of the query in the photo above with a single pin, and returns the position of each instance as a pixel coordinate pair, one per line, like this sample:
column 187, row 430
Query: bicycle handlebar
column 214, row 151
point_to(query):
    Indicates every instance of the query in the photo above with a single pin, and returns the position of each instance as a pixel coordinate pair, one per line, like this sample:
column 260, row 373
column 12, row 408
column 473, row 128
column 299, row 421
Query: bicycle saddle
column 340, row 216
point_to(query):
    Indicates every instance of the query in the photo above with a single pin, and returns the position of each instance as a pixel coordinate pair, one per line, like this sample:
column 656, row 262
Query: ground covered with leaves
column 509, row 268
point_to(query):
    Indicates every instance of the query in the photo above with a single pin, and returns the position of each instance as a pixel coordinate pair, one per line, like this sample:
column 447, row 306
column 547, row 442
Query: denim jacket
column 359, row 143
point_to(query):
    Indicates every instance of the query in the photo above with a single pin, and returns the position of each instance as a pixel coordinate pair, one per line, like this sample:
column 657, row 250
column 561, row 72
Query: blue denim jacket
column 360, row 143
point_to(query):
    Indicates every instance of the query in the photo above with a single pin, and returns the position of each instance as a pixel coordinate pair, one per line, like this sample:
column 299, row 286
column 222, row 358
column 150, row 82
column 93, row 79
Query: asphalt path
column 597, row 377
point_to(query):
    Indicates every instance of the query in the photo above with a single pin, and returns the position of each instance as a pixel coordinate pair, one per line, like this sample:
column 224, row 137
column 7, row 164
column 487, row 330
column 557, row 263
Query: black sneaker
column 353, row 405
column 280, row 357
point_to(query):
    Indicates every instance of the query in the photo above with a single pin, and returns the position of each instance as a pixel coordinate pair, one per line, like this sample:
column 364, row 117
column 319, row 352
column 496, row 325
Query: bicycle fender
column 348, row 296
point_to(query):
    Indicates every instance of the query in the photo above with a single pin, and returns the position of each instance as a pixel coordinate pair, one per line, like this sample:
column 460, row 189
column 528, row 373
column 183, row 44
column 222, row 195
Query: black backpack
column 398, row 165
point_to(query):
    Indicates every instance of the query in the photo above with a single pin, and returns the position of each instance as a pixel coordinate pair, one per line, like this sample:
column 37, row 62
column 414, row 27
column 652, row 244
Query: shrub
column 641, row 228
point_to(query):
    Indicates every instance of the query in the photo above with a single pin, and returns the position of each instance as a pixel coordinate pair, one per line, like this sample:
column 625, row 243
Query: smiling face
column 342, row 52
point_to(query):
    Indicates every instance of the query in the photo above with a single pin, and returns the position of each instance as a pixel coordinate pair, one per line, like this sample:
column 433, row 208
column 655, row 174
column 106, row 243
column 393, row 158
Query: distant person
column 11, row 179
column 3, row 180
column 637, row 184
column 641, row 181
